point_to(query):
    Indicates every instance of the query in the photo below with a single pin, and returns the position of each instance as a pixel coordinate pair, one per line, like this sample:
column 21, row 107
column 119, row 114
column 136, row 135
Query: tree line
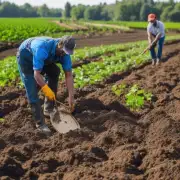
column 8, row 9
column 122, row 10
column 125, row 10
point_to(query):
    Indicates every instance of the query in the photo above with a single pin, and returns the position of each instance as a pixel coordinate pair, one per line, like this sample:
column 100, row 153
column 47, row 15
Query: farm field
column 123, row 105
column 139, row 25
column 18, row 29
column 118, row 139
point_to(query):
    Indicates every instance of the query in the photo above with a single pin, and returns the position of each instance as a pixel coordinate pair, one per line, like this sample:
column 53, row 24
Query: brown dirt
column 105, row 25
column 94, row 40
column 83, row 41
column 113, row 142
column 64, row 25
column 72, row 26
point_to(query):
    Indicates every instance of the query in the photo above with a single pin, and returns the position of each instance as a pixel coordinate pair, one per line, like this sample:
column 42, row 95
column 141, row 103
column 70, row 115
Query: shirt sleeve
column 39, row 56
column 161, row 28
column 148, row 28
column 66, row 63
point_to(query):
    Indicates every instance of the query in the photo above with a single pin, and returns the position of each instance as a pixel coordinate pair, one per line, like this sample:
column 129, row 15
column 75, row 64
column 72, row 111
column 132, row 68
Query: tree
column 55, row 12
column 124, row 10
column 177, row 6
column 171, row 2
column 77, row 12
column 43, row 11
column 145, row 10
column 67, row 11
column 27, row 10
column 110, row 10
column 151, row 2
column 88, row 13
column 166, row 12
column 12, row 10
column 104, row 15
column 174, row 16
column 9, row 10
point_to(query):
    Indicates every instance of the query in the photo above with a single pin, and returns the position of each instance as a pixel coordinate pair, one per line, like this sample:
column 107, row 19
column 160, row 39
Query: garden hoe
column 145, row 51
column 62, row 120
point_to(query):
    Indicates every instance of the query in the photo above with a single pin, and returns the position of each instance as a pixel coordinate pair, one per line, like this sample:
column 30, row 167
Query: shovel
column 62, row 120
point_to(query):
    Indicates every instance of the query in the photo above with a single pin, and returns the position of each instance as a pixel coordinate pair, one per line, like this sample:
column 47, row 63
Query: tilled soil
column 10, row 49
column 113, row 142
column 82, row 41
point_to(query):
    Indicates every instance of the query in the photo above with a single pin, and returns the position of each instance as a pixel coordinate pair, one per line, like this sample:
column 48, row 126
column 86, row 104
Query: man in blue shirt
column 37, row 57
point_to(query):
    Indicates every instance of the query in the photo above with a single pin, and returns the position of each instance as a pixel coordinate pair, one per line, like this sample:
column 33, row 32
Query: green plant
column 113, row 59
column 118, row 89
column 2, row 120
column 8, row 71
column 136, row 97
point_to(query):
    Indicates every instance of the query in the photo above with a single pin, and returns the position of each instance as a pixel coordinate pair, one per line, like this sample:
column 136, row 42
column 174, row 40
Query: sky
column 61, row 3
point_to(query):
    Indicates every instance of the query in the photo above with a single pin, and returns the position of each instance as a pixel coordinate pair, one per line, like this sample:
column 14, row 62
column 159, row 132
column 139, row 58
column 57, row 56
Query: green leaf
column 148, row 96
column 2, row 120
column 140, row 92
column 140, row 101
column 118, row 92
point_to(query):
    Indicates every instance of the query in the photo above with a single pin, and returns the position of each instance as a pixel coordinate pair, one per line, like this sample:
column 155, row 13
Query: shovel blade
column 63, row 121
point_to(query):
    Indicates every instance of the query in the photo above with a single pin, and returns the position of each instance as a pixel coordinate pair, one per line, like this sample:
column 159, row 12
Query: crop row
column 18, row 29
column 124, row 57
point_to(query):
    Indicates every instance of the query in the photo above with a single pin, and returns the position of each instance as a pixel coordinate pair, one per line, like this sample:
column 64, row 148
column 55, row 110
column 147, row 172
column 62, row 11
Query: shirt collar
column 56, row 41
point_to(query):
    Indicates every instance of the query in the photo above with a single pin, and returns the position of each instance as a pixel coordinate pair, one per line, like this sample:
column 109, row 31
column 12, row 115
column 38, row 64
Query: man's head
column 66, row 45
column 152, row 18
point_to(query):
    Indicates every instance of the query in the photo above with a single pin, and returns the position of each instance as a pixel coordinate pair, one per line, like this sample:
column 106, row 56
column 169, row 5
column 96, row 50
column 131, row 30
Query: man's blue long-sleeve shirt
column 43, row 51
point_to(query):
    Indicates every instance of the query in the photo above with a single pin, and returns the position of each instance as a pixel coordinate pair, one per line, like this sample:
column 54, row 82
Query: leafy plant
column 119, row 89
column 136, row 97
column 2, row 120
column 123, row 57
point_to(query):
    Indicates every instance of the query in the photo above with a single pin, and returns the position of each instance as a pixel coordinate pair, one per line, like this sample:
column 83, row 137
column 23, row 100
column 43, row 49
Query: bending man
column 37, row 58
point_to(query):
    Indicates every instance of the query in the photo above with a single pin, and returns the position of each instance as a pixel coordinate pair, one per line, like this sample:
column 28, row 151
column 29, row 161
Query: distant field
column 16, row 29
column 140, row 25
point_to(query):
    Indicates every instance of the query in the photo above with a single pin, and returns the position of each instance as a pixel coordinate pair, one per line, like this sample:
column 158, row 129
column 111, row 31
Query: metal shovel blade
column 63, row 121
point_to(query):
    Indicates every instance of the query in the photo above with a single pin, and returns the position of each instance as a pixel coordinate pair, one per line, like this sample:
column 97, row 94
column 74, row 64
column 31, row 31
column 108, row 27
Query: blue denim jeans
column 160, row 48
column 25, row 66
column 24, row 60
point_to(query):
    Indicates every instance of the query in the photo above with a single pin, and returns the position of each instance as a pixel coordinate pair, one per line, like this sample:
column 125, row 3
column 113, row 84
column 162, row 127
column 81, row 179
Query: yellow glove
column 48, row 92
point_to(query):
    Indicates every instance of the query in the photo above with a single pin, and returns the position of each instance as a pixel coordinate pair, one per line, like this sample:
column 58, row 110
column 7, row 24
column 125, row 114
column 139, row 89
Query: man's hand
column 48, row 92
column 152, row 45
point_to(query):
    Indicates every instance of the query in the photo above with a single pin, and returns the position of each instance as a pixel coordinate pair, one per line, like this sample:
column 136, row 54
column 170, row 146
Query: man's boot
column 157, row 61
column 39, row 118
column 153, row 62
